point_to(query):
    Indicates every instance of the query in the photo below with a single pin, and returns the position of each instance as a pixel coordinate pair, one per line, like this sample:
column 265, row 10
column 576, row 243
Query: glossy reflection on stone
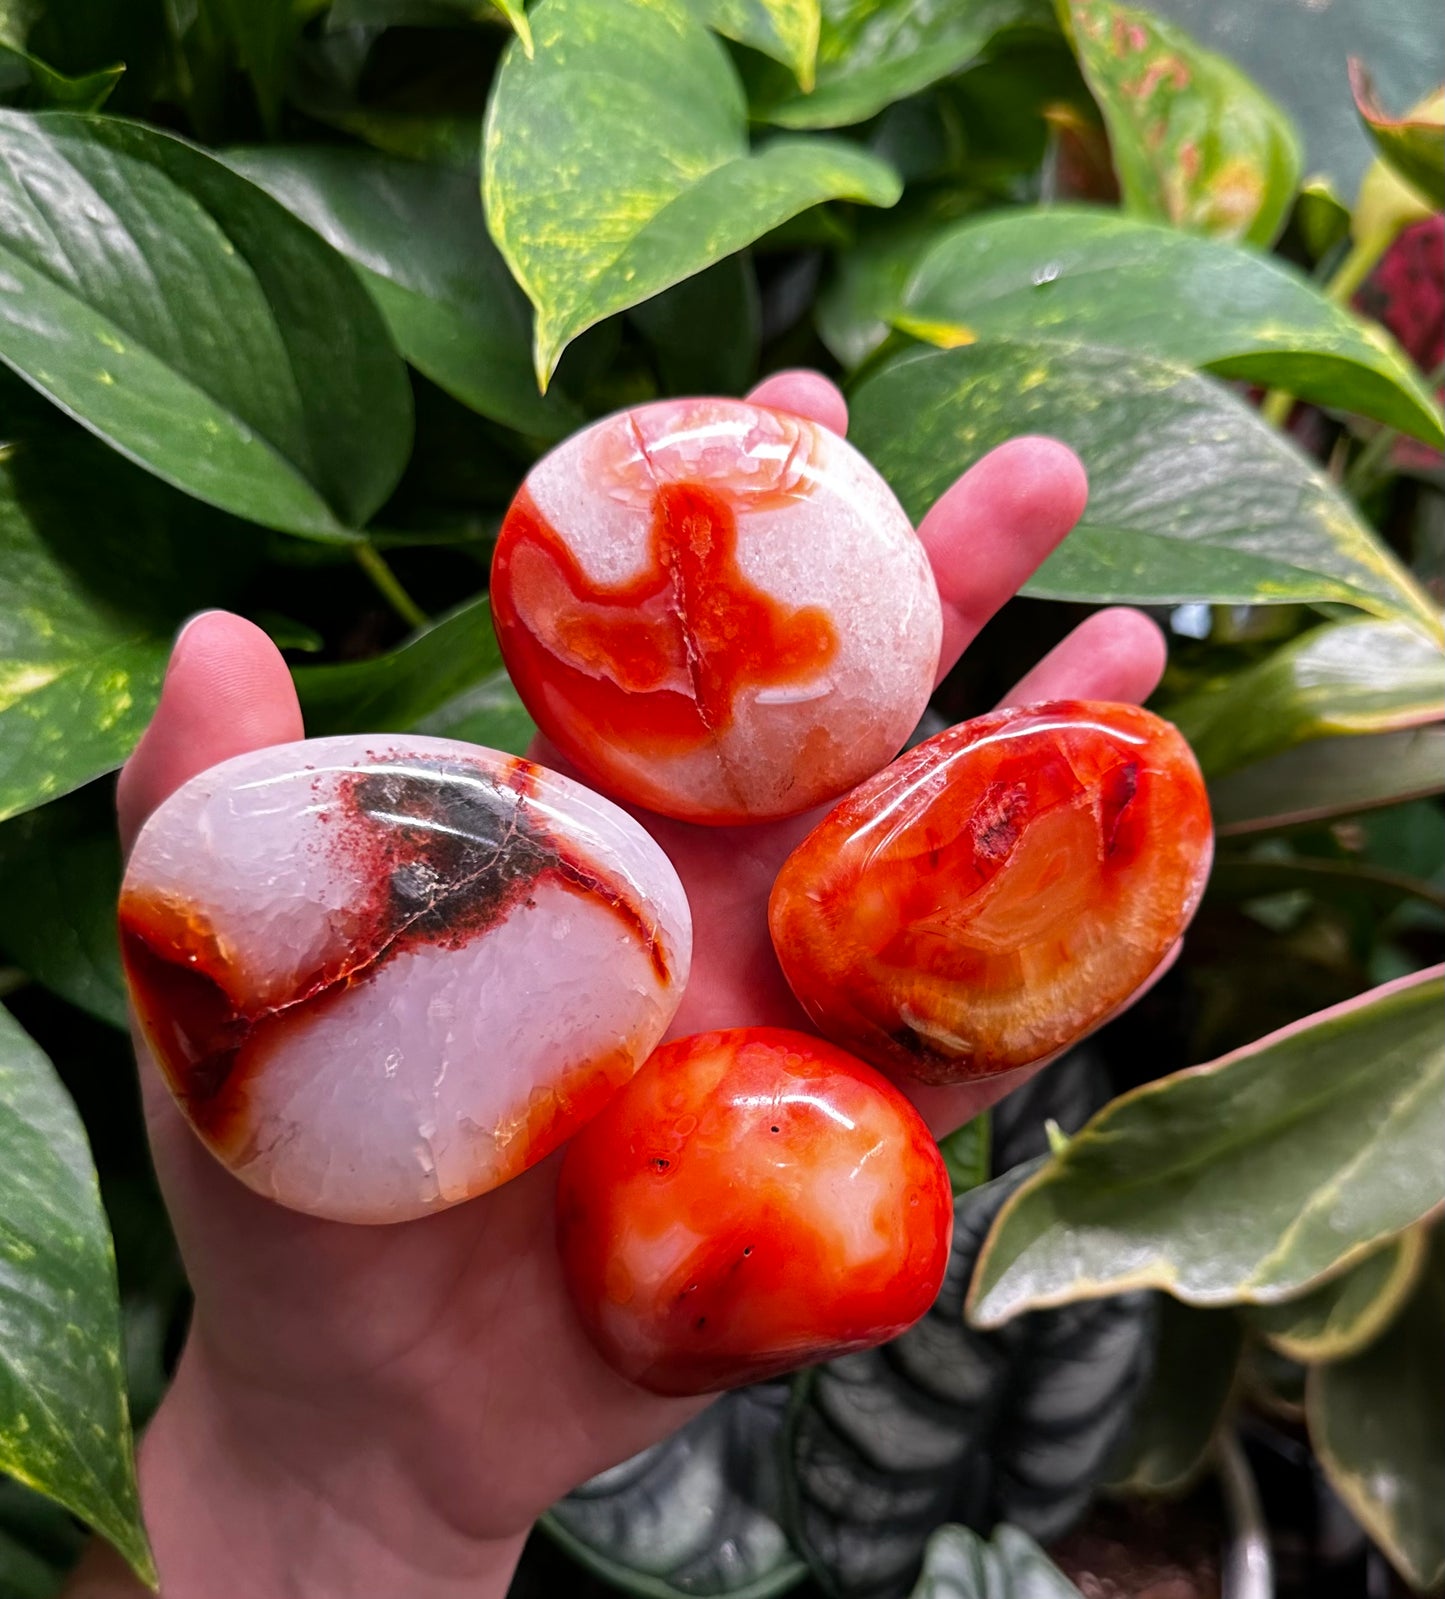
column 997, row 891
column 717, row 610
column 385, row 974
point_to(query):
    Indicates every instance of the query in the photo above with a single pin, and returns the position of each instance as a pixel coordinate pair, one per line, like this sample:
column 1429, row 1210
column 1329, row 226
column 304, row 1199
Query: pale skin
column 362, row 1411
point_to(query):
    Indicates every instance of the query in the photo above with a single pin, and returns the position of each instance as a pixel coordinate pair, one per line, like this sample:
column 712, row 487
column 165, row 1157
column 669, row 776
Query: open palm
column 416, row 1395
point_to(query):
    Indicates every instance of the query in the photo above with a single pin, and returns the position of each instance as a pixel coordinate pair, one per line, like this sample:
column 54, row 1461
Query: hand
column 379, row 1411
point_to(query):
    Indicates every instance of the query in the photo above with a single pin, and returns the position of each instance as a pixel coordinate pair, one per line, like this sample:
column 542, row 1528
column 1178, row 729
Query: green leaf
column 416, row 235
column 694, row 1516
column 946, row 1421
column 1095, row 276
column 1244, row 1181
column 26, row 82
column 1341, row 1317
column 1244, row 878
column 261, row 35
column 1195, row 142
column 193, row 323
column 1414, row 145
column 60, row 872
column 1161, row 445
column 1345, row 677
column 704, row 332
column 1186, row 1403
column 966, row 1154
column 874, row 52
column 786, row 30
column 616, row 163
column 1322, row 217
column 429, row 14
column 1330, row 777
column 959, row 1564
column 1377, row 1422
column 489, row 712
column 64, row 1428
column 396, row 691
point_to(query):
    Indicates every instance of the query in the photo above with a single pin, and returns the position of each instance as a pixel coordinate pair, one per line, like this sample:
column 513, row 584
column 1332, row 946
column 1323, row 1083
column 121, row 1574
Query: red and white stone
column 998, row 891
column 716, row 610
column 383, row 975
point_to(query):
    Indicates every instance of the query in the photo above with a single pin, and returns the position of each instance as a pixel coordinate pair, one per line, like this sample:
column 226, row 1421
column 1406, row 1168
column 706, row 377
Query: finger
column 1116, row 654
column 227, row 691
column 947, row 1109
column 807, row 394
column 994, row 527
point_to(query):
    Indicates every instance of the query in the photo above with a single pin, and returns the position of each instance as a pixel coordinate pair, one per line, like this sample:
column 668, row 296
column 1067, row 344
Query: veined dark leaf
column 949, row 1423
column 616, row 163
column 1095, row 276
column 1244, row 1181
column 64, row 1428
column 958, row 1564
column 1195, row 142
column 694, row 1516
column 1192, row 496
column 193, row 323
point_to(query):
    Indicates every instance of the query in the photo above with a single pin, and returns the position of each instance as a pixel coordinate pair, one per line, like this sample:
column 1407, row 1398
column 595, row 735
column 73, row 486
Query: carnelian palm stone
column 997, row 891
column 383, row 975
column 716, row 610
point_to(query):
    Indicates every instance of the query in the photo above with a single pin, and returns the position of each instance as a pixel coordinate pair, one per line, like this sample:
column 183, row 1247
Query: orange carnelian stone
column 998, row 891
column 752, row 1201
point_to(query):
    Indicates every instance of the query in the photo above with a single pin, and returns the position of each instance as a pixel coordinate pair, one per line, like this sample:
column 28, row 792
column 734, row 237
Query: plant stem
column 1248, row 1568
column 373, row 563
column 1360, row 260
column 1365, row 469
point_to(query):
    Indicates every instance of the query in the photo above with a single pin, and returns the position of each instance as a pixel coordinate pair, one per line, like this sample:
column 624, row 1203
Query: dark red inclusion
column 442, row 858
column 726, row 633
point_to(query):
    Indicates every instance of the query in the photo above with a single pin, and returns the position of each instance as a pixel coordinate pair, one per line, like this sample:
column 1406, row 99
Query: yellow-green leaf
column 786, row 30
column 1377, row 1422
column 616, row 163
column 1195, row 142
column 1345, row 677
column 1347, row 1313
column 1414, row 145
column 1244, row 1181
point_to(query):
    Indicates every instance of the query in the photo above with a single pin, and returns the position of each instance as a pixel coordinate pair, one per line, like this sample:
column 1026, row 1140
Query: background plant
column 291, row 294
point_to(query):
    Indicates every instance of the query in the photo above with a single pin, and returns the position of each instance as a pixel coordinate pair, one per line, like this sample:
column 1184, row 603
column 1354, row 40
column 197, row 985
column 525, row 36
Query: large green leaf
column 947, row 1422
column 1343, row 1316
column 1377, row 1422
column 417, row 236
column 1076, row 273
column 786, row 30
column 1345, row 677
column 1192, row 497
column 1330, row 777
column 64, row 1428
column 694, row 1516
column 1195, row 142
column 873, row 52
column 959, row 1564
column 1246, row 1180
column 616, row 163
column 187, row 318
column 1414, row 145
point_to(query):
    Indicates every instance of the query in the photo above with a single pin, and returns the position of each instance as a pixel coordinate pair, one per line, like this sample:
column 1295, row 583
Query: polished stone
column 716, row 610
column 384, row 974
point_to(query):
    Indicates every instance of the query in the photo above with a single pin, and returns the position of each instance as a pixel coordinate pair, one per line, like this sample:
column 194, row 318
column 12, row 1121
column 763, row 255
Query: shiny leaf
column 1074, row 273
column 1195, row 142
column 1185, row 1404
column 786, row 30
column 704, row 332
column 417, row 236
column 945, row 1421
column 1377, row 1422
column 695, row 1515
column 1414, row 145
column 1243, row 1181
column 1345, row 677
column 1192, row 497
column 959, row 1564
column 874, row 52
column 1330, row 777
column 616, row 163
column 1341, row 1317
column 64, row 1428
column 193, row 323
